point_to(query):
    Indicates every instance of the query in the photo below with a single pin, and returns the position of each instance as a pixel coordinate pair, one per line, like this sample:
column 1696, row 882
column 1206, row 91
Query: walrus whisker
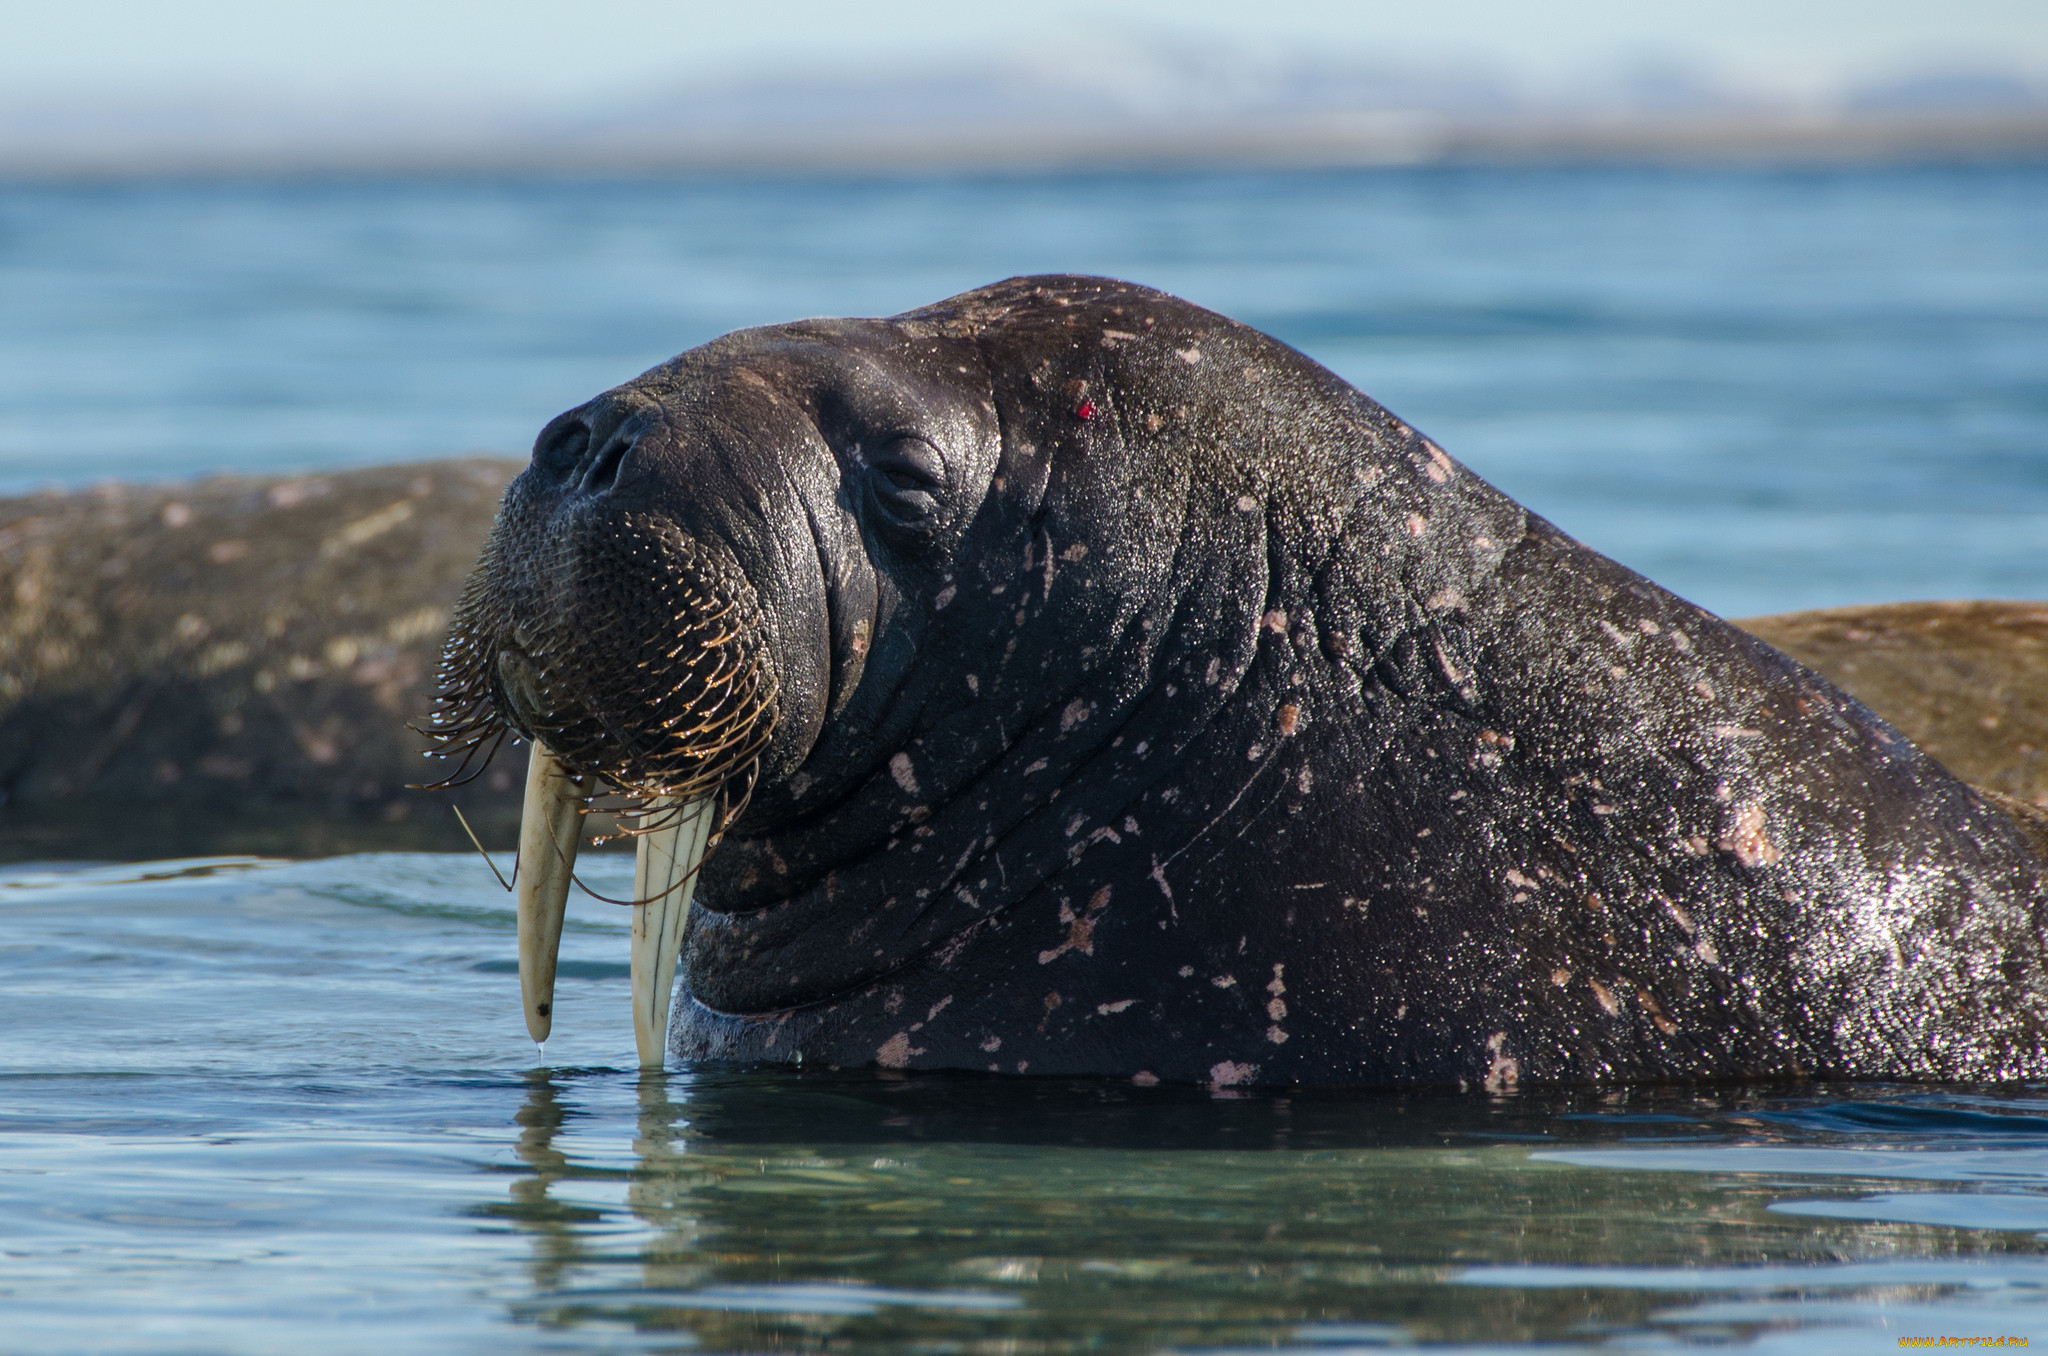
column 688, row 876
column 460, row 819
column 469, row 751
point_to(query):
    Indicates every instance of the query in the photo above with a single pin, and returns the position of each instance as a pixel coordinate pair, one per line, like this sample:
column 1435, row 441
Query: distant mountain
column 1108, row 102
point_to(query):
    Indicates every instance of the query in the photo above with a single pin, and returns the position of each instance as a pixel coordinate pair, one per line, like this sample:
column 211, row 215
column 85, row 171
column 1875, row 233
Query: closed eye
column 907, row 484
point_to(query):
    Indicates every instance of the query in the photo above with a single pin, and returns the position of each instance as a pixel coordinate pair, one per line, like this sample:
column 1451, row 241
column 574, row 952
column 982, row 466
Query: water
column 256, row 1106
column 1767, row 390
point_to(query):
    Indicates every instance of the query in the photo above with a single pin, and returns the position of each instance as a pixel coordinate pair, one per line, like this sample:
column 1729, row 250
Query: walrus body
column 1147, row 701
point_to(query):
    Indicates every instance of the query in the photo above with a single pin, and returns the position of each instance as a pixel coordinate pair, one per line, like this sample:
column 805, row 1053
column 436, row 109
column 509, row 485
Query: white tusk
column 550, row 831
column 666, row 856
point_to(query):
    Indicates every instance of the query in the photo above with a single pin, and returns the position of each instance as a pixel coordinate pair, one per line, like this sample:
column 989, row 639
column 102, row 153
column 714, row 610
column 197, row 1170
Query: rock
column 1966, row 681
column 228, row 665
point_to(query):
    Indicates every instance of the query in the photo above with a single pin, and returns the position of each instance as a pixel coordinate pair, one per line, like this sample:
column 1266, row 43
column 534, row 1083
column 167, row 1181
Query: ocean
column 257, row 1106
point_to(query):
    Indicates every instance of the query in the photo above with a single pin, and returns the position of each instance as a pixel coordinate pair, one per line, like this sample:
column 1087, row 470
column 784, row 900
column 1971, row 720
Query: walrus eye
column 905, row 480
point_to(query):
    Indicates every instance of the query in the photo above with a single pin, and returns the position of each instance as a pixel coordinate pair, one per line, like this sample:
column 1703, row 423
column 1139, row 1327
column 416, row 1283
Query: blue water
column 256, row 1106
column 253, row 1106
column 1767, row 390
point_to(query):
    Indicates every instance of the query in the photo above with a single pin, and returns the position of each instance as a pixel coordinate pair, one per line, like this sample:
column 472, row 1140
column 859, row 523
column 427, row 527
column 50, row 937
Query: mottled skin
column 1164, row 707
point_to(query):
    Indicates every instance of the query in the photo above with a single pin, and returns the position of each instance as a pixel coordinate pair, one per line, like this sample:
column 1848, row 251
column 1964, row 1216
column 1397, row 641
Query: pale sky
column 527, row 52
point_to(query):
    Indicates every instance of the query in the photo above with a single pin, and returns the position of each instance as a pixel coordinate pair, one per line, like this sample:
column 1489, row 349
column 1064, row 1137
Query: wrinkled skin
column 1152, row 703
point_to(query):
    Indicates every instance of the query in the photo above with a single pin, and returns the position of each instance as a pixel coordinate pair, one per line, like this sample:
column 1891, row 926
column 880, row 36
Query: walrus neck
column 991, row 805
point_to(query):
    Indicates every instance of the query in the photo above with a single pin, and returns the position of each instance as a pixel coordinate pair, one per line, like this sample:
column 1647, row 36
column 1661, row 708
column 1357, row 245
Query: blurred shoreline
column 1332, row 140
column 1122, row 101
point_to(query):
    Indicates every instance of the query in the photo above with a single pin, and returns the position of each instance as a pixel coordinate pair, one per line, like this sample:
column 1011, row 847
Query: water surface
column 256, row 1107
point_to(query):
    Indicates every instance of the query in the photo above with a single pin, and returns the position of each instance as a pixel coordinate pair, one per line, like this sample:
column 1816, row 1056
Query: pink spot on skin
column 1105, row 1009
column 1678, row 915
column 1076, row 711
column 1504, row 1071
column 1747, row 841
column 1276, row 1035
column 944, row 596
column 1190, row 356
column 1417, row 525
column 904, row 773
column 1247, row 504
column 1080, row 937
column 895, row 1052
column 1230, row 1074
column 1275, row 621
column 1145, row 1078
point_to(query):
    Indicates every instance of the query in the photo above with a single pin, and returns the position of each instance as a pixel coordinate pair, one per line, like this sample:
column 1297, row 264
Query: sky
column 524, row 53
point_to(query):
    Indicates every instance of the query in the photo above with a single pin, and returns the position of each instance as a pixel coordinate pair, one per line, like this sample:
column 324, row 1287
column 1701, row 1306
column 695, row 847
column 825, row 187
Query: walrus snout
column 632, row 651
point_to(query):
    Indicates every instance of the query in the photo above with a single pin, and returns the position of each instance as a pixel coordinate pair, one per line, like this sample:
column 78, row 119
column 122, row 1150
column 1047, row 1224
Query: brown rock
column 1966, row 681
column 228, row 665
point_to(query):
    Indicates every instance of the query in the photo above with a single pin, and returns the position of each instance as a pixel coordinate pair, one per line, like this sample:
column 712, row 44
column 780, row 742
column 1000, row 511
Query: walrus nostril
column 561, row 447
column 603, row 473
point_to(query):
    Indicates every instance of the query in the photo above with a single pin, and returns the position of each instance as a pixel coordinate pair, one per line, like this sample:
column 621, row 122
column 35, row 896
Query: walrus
column 1066, row 679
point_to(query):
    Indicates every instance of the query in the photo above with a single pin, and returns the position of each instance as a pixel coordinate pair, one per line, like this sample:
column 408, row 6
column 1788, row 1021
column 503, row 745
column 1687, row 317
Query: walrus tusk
column 550, row 831
column 664, row 876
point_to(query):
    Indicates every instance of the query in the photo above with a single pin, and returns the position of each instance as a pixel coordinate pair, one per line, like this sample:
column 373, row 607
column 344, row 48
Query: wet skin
column 1147, row 701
